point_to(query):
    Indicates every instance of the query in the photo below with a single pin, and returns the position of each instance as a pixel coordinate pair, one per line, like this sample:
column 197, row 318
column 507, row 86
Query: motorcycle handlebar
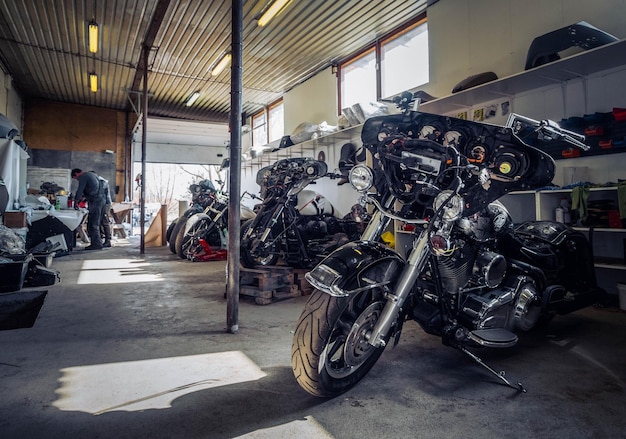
column 548, row 128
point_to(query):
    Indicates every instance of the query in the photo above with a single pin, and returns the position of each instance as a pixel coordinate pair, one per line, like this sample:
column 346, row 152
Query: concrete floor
column 132, row 347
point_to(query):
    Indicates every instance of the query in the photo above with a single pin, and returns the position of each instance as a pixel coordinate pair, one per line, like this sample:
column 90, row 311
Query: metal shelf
column 576, row 66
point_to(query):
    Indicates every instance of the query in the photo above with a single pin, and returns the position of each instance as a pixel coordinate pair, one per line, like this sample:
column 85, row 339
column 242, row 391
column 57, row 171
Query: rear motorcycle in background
column 203, row 194
column 208, row 230
column 471, row 277
column 293, row 224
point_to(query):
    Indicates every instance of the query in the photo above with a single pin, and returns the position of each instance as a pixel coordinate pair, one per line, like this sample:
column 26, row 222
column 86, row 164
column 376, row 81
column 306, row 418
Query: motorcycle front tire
column 329, row 353
column 205, row 229
column 250, row 259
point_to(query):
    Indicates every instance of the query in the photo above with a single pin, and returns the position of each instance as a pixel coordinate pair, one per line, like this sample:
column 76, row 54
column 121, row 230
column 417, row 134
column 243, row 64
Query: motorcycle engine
column 314, row 229
column 513, row 306
column 487, row 297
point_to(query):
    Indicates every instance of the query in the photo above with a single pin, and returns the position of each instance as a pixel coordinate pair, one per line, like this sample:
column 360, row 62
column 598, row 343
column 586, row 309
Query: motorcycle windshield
column 500, row 161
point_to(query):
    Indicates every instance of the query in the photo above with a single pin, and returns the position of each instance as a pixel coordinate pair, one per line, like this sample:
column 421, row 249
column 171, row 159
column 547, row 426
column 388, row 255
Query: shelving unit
column 576, row 66
column 310, row 146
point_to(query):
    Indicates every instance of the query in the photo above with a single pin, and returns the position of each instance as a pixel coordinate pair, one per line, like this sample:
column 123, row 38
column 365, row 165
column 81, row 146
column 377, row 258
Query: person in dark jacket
column 90, row 188
column 105, row 223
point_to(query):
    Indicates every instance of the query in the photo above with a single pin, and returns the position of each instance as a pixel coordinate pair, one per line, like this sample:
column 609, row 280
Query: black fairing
column 509, row 163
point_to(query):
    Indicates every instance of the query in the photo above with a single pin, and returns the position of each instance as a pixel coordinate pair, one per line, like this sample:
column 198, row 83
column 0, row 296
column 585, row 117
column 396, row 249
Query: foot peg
column 493, row 338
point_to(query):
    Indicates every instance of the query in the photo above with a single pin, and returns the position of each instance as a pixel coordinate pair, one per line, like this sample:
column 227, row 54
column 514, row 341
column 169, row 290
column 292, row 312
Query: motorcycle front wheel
column 254, row 252
column 205, row 229
column 330, row 352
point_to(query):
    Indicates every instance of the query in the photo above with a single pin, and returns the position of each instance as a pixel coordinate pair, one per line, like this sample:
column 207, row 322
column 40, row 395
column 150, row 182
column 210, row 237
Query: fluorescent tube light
column 93, row 82
column 271, row 12
column 192, row 98
column 93, row 36
column 221, row 65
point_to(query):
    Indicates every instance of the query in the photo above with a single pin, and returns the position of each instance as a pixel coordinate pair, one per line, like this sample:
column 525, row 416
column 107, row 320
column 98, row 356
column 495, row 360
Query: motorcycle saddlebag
column 562, row 253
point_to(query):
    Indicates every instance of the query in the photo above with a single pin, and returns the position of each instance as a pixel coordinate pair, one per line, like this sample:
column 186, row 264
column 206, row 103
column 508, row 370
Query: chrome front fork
column 395, row 299
column 375, row 228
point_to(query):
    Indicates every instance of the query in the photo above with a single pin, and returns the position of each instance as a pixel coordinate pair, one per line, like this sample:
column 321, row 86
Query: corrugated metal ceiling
column 44, row 46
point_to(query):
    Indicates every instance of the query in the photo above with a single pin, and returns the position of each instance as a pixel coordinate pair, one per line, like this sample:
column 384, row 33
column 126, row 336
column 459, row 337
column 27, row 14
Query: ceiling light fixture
column 93, row 36
column 93, row 82
column 192, row 98
column 271, row 12
column 221, row 65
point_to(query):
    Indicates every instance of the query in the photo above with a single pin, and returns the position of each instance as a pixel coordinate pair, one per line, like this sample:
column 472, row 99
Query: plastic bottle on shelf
column 567, row 217
column 559, row 215
column 57, row 203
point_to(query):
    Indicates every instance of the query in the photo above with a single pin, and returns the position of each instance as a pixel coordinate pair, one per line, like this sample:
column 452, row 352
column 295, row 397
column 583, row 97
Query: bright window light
column 412, row 46
column 149, row 384
column 358, row 80
column 116, row 271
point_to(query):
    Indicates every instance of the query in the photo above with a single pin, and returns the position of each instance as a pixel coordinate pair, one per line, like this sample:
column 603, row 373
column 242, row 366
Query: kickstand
column 519, row 387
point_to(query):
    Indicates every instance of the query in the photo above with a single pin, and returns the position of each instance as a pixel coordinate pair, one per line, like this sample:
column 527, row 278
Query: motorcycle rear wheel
column 180, row 225
column 170, row 229
column 258, row 257
column 330, row 353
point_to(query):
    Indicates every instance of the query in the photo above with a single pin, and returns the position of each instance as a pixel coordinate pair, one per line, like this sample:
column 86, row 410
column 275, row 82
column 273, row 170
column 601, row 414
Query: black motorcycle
column 209, row 228
column 203, row 194
column 297, row 225
column 472, row 277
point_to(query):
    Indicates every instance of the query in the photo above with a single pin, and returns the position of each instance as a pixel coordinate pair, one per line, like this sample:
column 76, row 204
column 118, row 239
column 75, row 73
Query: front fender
column 345, row 265
column 193, row 220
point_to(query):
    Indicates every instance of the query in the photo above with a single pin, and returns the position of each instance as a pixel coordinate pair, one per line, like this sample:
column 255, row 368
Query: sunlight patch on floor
column 116, row 271
column 149, row 384
column 307, row 428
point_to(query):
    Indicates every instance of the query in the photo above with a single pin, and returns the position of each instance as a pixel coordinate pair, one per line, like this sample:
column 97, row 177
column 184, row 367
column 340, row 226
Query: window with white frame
column 259, row 129
column 358, row 79
column 268, row 124
column 276, row 116
column 403, row 57
column 404, row 60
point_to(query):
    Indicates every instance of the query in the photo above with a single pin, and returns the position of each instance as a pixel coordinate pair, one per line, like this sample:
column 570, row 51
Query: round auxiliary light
column 361, row 178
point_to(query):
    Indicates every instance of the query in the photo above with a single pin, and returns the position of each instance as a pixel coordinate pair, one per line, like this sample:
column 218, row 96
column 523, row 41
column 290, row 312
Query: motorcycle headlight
column 453, row 208
column 361, row 178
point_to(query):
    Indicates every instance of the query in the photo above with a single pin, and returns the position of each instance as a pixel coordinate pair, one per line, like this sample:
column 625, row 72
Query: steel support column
column 234, row 190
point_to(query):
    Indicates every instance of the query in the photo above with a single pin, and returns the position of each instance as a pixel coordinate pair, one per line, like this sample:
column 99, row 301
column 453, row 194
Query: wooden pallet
column 268, row 284
column 298, row 278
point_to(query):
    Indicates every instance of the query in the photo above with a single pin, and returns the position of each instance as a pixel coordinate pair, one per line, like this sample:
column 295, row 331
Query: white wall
column 10, row 100
column 467, row 37
column 314, row 101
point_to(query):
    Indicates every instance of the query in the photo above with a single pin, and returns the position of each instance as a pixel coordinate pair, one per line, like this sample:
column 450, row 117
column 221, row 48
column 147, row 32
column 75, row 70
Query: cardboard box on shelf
column 15, row 219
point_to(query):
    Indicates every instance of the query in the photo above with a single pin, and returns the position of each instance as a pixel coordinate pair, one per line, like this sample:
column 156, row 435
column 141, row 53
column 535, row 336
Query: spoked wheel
column 205, row 229
column 330, row 352
column 255, row 253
